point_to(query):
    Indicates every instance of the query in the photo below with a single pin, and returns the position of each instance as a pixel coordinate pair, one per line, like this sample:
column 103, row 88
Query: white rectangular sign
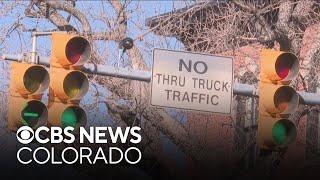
column 192, row 81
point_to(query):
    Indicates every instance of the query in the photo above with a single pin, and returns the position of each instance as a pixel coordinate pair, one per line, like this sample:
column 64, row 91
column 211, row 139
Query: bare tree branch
column 302, row 10
column 73, row 11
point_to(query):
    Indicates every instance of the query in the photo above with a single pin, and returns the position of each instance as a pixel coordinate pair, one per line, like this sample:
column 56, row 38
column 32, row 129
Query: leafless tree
column 113, row 27
column 217, row 27
column 224, row 27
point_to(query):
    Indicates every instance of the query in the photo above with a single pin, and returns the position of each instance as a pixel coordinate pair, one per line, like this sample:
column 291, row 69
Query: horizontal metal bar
column 45, row 33
column 309, row 98
column 12, row 57
column 48, row 33
column 105, row 70
column 249, row 90
column 118, row 72
column 244, row 89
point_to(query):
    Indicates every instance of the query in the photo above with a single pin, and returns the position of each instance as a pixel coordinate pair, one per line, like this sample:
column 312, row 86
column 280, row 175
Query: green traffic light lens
column 33, row 112
column 72, row 116
column 69, row 118
column 284, row 132
column 279, row 133
column 36, row 78
column 76, row 84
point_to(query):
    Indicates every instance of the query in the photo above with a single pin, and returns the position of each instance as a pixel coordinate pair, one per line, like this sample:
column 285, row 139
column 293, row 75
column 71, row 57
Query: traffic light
column 68, row 84
column 27, row 85
column 277, row 100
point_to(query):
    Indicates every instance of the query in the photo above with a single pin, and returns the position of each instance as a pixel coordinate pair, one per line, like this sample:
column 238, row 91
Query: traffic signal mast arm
column 105, row 70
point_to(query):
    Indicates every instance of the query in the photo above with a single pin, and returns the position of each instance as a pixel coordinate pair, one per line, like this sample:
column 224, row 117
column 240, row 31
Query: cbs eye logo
column 25, row 135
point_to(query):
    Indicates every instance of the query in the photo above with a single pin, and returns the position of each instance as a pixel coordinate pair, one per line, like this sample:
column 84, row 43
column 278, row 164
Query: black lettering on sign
column 188, row 67
column 168, row 93
column 170, row 80
column 207, row 84
column 224, row 86
column 212, row 100
column 202, row 70
column 159, row 76
column 191, row 97
column 199, row 67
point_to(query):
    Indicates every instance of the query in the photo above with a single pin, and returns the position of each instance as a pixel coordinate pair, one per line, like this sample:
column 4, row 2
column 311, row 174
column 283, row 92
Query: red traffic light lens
column 78, row 49
column 282, row 69
column 287, row 66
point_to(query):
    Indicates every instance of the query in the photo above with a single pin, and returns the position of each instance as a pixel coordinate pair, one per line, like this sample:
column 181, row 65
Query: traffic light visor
column 284, row 132
column 33, row 113
column 78, row 50
column 287, row 66
column 72, row 116
column 36, row 79
column 75, row 84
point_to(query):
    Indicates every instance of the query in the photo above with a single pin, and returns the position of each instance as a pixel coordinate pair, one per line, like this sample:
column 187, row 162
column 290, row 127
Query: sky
column 138, row 11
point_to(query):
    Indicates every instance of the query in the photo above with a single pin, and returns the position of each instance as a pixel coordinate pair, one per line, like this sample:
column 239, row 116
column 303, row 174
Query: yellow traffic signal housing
column 64, row 115
column 278, row 67
column 276, row 133
column 277, row 100
column 68, row 84
column 69, row 51
column 27, row 84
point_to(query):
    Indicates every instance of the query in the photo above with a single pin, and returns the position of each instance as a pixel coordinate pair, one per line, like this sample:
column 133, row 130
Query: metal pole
column 105, row 70
column 45, row 33
column 34, row 36
column 244, row 89
column 34, row 49
column 119, row 72
column 12, row 57
column 119, row 57
column 309, row 98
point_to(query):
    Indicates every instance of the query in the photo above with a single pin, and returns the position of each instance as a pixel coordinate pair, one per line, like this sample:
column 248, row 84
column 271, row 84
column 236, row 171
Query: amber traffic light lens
column 33, row 112
column 36, row 79
column 72, row 116
column 77, row 50
column 76, row 85
column 287, row 66
column 284, row 132
column 286, row 99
